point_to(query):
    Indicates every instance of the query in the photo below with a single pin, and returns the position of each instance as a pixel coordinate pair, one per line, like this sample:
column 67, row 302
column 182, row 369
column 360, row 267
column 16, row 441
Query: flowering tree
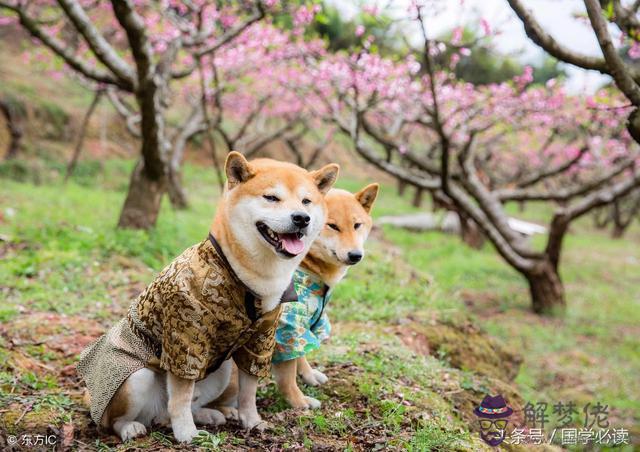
column 239, row 96
column 476, row 148
column 603, row 17
column 138, row 49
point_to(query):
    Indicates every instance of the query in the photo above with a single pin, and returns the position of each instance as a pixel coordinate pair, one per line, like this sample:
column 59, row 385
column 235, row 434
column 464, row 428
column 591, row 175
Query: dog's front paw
column 207, row 416
column 314, row 378
column 312, row 403
column 229, row 412
column 299, row 401
column 131, row 430
column 252, row 421
column 184, row 434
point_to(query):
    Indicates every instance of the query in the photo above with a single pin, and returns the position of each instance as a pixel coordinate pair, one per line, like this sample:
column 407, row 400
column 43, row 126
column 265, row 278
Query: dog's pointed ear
column 326, row 176
column 237, row 169
column 367, row 196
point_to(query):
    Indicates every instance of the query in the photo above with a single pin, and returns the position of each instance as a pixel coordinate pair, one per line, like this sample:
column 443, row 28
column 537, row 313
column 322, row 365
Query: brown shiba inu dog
column 219, row 300
column 303, row 324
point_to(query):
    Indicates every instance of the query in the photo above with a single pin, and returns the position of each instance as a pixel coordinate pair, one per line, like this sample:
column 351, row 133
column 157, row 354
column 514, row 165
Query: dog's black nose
column 300, row 219
column 354, row 256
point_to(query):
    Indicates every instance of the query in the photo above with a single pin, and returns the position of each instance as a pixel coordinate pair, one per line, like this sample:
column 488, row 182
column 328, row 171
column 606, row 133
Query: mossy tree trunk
column 15, row 131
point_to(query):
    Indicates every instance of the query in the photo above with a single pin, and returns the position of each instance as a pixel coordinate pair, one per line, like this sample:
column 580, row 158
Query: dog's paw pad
column 207, row 416
column 313, row 403
column 132, row 430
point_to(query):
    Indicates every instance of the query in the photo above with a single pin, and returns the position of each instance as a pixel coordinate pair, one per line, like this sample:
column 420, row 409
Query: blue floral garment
column 304, row 323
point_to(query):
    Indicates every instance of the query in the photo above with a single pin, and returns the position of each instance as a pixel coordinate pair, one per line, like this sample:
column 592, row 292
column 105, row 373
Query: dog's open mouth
column 288, row 244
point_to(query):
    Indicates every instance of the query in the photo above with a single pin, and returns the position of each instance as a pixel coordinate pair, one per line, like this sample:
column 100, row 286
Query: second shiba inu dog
column 219, row 300
column 304, row 324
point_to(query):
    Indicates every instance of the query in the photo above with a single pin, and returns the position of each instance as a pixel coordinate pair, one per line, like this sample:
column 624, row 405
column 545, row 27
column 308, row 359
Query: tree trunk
column 618, row 231
column 402, row 187
column 149, row 178
column 175, row 189
column 547, row 291
column 471, row 234
column 15, row 131
column 144, row 198
column 417, row 197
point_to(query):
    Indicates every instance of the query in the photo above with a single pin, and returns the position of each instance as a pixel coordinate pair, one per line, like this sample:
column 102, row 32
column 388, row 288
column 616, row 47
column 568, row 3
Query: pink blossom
column 456, row 37
column 455, row 59
column 485, row 26
column 360, row 30
column 370, row 9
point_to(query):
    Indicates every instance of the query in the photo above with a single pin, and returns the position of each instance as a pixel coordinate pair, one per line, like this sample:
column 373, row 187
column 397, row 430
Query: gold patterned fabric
column 192, row 317
column 109, row 361
column 196, row 309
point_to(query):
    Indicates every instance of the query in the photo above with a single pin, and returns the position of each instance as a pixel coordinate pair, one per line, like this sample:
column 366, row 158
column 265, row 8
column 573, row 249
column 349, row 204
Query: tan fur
column 228, row 400
column 344, row 210
column 267, row 277
column 285, row 376
column 118, row 406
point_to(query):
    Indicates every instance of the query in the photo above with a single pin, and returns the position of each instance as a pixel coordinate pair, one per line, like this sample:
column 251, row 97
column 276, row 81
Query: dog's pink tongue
column 292, row 243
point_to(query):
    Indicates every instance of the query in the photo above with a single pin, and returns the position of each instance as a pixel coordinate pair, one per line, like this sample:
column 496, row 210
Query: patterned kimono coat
column 304, row 324
column 195, row 315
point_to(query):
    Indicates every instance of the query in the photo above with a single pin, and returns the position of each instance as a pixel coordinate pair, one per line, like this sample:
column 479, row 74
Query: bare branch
column 58, row 47
column 83, row 131
column 230, row 34
column 97, row 43
column 208, row 122
column 537, row 34
column 602, row 197
column 131, row 118
column 251, row 150
column 563, row 195
column 541, row 175
column 620, row 72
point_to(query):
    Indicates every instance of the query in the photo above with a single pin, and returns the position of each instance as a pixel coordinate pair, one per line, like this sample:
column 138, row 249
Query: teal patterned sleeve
column 322, row 328
column 293, row 336
column 303, row 324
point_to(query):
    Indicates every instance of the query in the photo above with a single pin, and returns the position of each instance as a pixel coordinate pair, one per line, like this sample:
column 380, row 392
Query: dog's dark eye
column 271, row 198
column 357, row 225
column 333, row 226
column 306, row 201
